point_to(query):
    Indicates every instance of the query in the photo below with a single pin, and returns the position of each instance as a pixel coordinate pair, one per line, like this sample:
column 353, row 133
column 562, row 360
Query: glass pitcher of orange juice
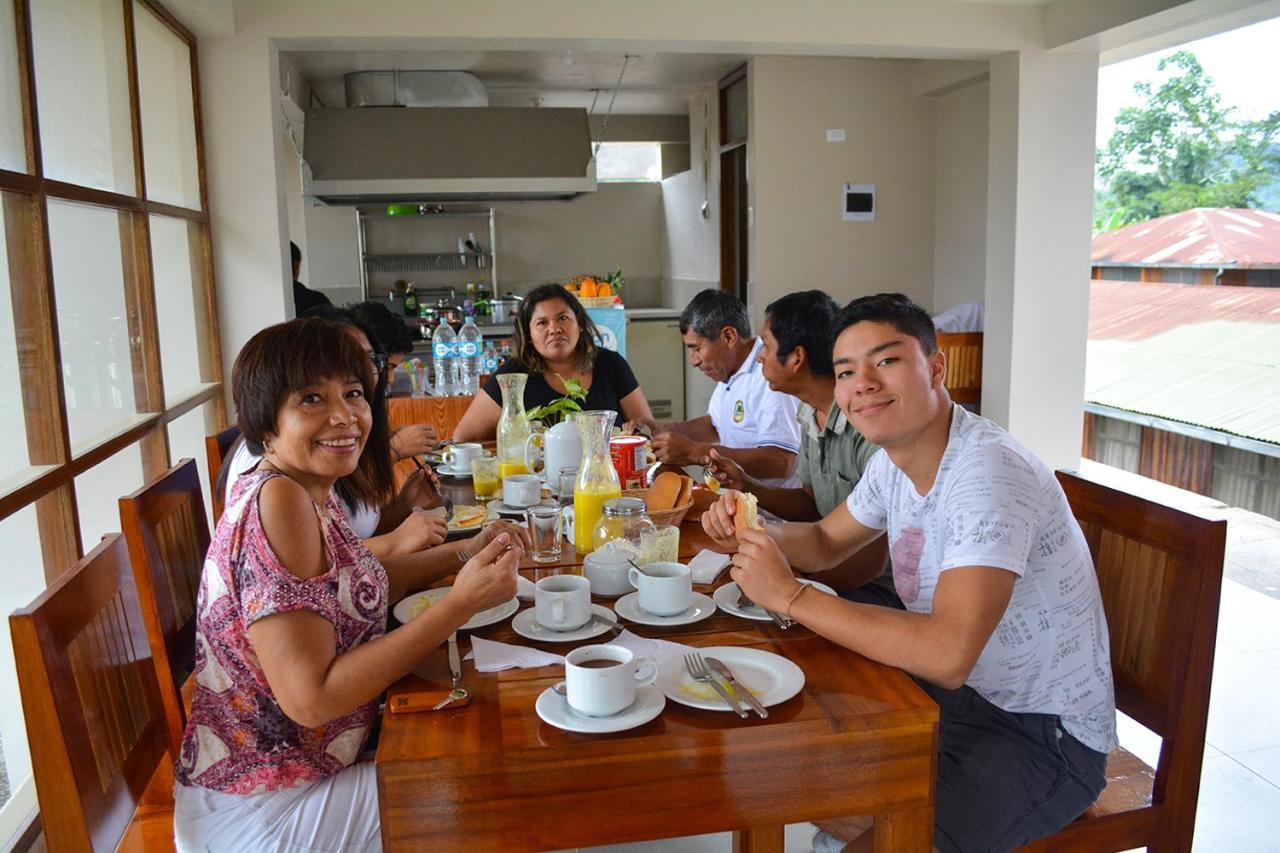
column 597, row 480
column 513, row 425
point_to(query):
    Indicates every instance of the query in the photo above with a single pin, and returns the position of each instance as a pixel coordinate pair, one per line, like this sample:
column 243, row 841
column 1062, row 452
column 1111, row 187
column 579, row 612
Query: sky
column 1244, row 65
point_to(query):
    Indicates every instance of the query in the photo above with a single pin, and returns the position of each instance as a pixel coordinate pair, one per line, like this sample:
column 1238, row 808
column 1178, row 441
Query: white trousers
column 339, row 813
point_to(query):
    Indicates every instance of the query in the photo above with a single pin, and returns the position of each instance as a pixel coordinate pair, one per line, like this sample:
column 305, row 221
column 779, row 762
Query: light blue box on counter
column 612, row 325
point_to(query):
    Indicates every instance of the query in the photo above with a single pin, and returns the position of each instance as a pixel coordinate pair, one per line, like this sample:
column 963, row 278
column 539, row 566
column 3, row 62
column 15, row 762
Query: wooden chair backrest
column 1160, row 573
column 89, row 693
column 964, row 365
column 168, row 536
column 216, row 447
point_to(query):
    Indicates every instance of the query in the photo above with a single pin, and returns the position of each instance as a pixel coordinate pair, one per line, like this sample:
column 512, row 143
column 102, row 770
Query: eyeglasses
column 378, row 360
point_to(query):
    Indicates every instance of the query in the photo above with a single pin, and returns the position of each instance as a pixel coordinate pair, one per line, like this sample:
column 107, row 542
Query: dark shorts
column 1006, row 779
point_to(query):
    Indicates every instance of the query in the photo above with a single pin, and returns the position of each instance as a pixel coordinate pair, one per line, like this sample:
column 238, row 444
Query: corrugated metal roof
column 1132, row 311
column 1203, row 237
column 1206, row 362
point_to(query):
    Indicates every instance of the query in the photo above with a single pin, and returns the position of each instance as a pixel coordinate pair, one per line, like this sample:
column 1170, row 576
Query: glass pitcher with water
column 597, row 480
column 513, row 426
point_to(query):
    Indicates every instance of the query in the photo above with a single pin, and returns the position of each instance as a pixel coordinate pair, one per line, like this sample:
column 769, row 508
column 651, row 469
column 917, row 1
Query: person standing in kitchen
column 304, row 298
column 556, row 342
column 746, row 420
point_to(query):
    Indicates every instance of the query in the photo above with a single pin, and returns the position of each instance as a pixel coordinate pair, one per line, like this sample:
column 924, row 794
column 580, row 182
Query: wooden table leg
column 904, row 830
column 758, row 839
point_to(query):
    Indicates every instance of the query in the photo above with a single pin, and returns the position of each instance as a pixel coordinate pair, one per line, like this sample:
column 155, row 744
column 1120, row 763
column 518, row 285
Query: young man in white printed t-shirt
column 746, row 420
column 1004, row 625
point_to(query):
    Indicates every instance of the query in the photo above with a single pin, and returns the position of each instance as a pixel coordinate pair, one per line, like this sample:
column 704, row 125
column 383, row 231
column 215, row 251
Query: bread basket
column 662, row 517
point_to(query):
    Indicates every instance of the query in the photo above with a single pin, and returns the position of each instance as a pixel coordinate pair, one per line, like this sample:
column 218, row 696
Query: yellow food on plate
column 466, row 516
column 420, row 605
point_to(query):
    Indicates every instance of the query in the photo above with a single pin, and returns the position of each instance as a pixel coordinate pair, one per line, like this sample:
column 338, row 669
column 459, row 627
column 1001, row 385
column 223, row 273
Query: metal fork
column 448, row 501
column 698, row 669
column 781, row 621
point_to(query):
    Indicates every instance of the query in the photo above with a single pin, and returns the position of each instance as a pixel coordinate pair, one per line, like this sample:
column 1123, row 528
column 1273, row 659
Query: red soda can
column 630, row 454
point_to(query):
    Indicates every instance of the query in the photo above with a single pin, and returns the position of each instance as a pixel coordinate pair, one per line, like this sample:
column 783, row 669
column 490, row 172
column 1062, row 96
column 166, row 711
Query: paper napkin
column 655, row 650
column 491, row 656
column 707, row 565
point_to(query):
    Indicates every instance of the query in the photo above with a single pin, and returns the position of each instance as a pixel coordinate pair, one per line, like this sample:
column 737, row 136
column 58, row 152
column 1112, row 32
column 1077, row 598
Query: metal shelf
column 428, row 262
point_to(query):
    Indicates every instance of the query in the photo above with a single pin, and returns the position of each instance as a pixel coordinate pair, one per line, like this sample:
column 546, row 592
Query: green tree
column 1182, row 149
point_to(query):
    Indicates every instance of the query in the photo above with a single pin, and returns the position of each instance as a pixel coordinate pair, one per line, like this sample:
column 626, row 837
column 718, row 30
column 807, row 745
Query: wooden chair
column 1160, row 572
column 964, row 365
column 216, row 447
column 164, row 524
column 94, row 718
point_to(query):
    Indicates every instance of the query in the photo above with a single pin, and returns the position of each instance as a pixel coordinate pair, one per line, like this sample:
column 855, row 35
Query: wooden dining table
column 860, row 738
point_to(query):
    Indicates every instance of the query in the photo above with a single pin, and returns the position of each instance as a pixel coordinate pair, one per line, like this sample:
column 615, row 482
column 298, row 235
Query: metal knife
column 455, row 662
column 738, row 688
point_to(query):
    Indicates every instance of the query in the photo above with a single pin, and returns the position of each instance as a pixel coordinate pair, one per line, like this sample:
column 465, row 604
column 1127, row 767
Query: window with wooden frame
column 110, row 366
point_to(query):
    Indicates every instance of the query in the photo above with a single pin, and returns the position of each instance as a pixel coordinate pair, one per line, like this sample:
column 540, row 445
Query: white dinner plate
column 450, row 471
column 405, row 610
column 771, row 678
column 526, row 625
column 555, row 711
column 628, row 607
column 727, row 597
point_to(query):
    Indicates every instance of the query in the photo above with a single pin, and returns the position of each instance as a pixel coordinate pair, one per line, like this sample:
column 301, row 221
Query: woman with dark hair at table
column 556, row 342
column 291, row 647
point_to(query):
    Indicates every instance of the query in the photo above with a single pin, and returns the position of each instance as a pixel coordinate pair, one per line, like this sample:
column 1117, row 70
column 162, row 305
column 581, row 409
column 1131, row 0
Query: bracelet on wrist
column 792, row 600
column 463, row 555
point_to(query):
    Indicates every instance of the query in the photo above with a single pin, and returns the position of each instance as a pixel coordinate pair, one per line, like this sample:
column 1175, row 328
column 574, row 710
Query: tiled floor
column 1240, row 787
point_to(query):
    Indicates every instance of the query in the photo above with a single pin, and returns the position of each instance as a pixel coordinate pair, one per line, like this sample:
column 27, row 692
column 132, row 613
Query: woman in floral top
column 291, row 649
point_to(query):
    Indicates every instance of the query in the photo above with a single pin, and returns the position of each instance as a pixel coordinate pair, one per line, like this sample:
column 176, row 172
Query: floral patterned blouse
column 237, row 739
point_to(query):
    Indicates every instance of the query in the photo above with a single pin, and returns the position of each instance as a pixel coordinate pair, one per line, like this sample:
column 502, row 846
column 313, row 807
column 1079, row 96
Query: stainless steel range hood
column 437, row 154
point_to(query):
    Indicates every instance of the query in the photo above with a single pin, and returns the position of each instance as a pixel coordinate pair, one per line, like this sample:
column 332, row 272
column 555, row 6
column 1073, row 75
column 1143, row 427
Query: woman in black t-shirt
column 555, row 341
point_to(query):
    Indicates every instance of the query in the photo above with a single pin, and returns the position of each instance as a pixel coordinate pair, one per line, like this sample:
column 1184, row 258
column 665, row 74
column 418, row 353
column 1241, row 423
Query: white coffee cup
column 459, row 456
column 665, row 589
column 601, row 680
column 607, row 571
column 562, row 602
column 521, row 490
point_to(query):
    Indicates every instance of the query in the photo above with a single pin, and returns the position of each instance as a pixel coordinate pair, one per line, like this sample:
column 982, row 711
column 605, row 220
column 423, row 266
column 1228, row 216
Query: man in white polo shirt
column 745, row 420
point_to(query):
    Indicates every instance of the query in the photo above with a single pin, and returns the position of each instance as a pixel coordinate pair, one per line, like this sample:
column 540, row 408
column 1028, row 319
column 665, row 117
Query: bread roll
column 664, row 492
column 686, row 491
column 744, row 512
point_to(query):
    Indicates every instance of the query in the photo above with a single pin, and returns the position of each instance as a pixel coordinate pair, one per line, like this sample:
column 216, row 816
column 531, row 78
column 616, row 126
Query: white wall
column 960, row 238
column 796, row 178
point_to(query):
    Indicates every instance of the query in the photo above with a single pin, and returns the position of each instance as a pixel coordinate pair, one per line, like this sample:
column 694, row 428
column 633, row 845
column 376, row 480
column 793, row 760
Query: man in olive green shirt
column 795, row 358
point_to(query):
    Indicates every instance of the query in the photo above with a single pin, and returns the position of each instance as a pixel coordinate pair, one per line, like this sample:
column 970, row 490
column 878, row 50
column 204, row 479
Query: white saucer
column 771, row 678
column 555, row 711
column 727, row 597
column 526, row 625
column 450, row 471
column 404, row 610
column 628, row 607
column 496, row 505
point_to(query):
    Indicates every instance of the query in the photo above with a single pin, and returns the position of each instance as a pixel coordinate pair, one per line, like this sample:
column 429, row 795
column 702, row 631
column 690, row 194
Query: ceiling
column 654, row 83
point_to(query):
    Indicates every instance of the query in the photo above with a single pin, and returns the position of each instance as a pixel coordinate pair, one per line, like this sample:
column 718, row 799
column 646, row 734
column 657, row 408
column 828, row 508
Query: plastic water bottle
column 466, row 371
column 489, row 361
column 443, row 343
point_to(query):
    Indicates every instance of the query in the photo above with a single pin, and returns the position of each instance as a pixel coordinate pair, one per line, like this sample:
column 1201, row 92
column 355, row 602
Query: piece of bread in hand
column 744, row 512
column 664, row 492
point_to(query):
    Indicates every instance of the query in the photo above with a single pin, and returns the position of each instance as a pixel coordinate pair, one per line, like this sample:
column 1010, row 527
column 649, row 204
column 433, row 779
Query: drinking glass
column 564, row 485
column 545, row 529
column 484, row 477
column 660, row 546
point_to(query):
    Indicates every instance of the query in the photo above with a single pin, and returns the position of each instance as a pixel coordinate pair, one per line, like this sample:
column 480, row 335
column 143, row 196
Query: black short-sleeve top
column 611, row 380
